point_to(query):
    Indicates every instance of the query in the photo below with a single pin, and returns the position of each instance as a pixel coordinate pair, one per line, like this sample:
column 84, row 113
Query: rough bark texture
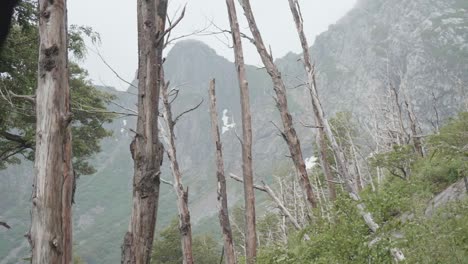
column 247, row 170
column 289, row 133
column 223, row 214
column 51, row 227
column 146, row 149
column 340, row 157
column 185, row 228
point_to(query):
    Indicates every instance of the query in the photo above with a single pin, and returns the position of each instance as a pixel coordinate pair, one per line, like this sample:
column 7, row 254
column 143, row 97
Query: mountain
column 419, row 45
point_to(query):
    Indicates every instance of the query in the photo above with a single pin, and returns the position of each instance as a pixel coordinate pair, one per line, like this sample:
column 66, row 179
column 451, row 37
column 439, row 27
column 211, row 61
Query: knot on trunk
column 55, row 245
column 185, row 227
column 147, row 184
column 48, row 63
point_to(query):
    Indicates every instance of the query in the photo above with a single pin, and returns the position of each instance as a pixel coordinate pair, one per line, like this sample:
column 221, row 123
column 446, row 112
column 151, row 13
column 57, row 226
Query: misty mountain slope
column 421, row 45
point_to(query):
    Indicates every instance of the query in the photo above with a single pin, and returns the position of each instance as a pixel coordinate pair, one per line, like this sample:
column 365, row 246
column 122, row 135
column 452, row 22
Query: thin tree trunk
column 289, row 133
column 147, row 151
column 414, row 128
column 51, row 226
column 222, row 195
column 265, row 188
column 322, row 143
column 185, row 227
column 247, row 170
column 340, row 157
column 403, row 133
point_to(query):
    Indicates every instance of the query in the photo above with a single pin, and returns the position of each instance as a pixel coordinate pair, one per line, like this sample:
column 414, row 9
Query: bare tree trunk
column 289, row 133
column 403, row 134
column 222, row 195
column 340, row 157
column 147, row 151
column 414, row 128
column 265, row 188
column 247, row 170
column 185, row 227
column 51, row 226
column 322, row 143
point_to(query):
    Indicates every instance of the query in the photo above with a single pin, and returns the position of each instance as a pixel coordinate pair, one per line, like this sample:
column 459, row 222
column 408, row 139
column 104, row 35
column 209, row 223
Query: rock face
column 455, row 192
column 421, row 46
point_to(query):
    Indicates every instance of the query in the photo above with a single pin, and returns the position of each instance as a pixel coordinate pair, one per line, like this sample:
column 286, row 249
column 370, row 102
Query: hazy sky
column 115, row 20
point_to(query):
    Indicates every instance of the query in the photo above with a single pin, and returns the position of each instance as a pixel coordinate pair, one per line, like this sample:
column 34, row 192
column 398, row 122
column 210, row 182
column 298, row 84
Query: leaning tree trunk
column 316, row 106
column 340, row 157
column 265, row 188
column 147, row 152
column 185, row 227
column 51, row 226
column 289, row 133
column 222, row 193
column 247, row 170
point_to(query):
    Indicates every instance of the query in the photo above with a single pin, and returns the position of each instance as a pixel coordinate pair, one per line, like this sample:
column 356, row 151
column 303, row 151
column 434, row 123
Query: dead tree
column 289, row 133
column 265, row 188
column 147, row 151
column 247, row 170
column 338, row 152
column 222, row 194
column 417, row 142
column 316, row 106
column 185, row 226
column 51, row 225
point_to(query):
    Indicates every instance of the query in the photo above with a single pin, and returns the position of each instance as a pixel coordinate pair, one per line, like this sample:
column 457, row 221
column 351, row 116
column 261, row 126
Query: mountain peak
column 191, row 48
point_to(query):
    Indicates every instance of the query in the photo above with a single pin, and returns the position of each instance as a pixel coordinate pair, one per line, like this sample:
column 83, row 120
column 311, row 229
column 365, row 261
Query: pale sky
column 115, row 20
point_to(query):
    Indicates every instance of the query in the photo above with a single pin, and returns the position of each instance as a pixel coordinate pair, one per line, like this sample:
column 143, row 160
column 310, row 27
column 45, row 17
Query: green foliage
column 167, row 248
column 341, row 242
column 18, row 65
column 397, row 162
column 443, row 238
column 398, row 206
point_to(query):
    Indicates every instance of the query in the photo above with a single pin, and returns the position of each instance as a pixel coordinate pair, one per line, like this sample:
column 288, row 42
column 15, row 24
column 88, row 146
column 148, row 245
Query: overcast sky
column 115, row 20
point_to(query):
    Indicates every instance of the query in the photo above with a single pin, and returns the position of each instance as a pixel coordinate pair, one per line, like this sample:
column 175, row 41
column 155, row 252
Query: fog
column 115, row 20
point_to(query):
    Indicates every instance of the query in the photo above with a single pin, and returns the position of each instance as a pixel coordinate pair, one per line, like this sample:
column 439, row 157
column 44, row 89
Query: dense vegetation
column 18, row 65
column 401, row 206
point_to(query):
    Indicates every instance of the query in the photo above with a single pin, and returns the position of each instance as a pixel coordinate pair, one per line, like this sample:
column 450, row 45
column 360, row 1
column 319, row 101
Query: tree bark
column 51, row 225
column 289, row 133
column 185, row 227
column 222, row 194
column 147, row 151
column 339, row 155
column 247, row 170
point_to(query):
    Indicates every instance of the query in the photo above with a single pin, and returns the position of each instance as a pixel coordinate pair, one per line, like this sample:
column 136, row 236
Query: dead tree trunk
column 316, row 106
column 147, row 151
column 222, row 194
column 247, row 170
column 289, row 133
column 340, row 157
column 418, row 146
column 185, row 227
column 51, row 225
column 265, row 188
